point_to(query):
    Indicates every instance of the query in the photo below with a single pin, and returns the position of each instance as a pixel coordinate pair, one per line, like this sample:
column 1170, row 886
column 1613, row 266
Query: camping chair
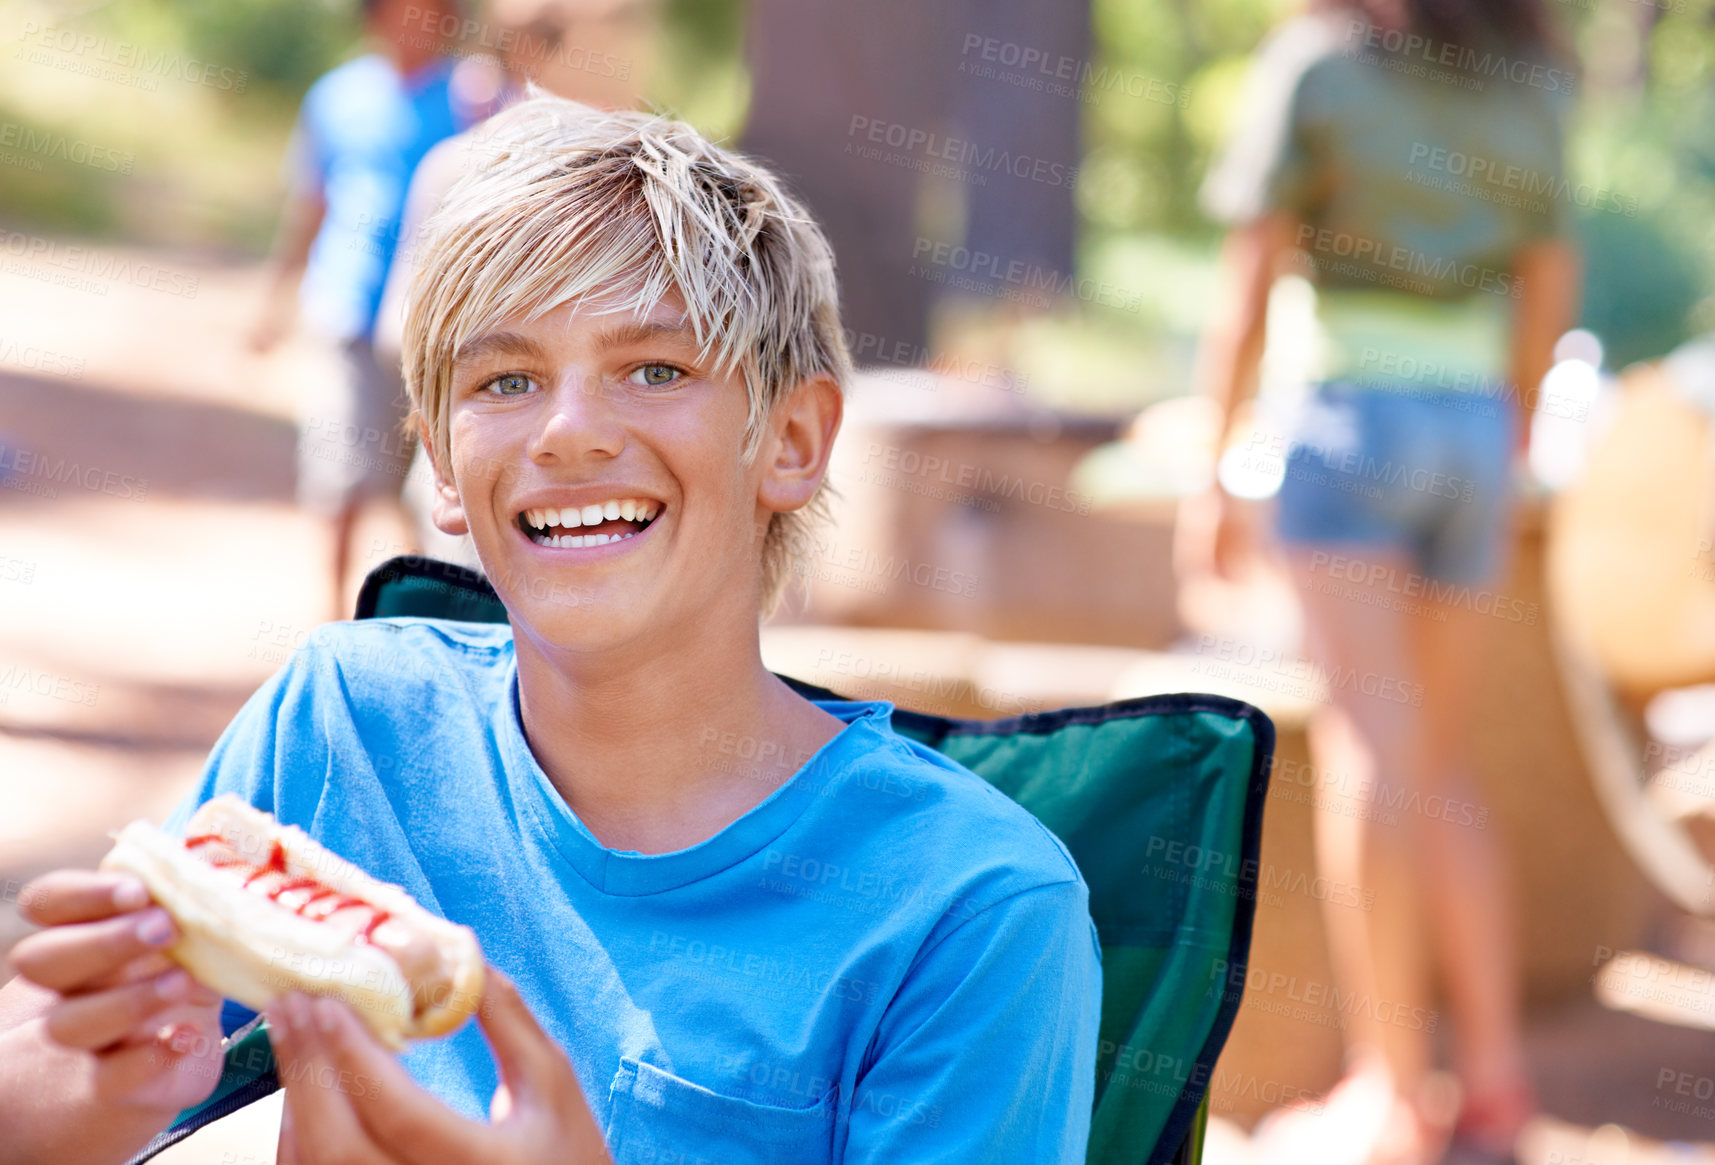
column 1160, row 800
column 1633, row 613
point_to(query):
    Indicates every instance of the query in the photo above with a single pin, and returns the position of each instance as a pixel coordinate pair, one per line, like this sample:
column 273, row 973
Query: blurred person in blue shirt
column 361, row 132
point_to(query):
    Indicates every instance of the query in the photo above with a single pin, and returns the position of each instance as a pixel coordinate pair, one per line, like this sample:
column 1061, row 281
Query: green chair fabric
column 1160, row 801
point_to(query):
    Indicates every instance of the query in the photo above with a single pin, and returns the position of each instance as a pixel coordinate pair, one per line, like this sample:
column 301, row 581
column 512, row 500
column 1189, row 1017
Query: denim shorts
column 1428, row 473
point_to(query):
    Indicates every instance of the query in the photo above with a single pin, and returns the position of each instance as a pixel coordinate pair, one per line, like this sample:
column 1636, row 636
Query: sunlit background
column 154, row 568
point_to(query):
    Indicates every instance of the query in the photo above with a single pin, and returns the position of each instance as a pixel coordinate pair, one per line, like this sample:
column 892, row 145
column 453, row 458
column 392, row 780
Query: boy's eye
column 654, row 375
column 511, row 384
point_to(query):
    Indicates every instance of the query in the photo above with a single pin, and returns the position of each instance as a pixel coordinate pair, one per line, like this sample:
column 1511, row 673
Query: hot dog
column 263, row 910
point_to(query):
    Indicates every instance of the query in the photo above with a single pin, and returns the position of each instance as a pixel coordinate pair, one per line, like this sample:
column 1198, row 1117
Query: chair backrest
column 1631, row 590
column 1159, row 799
column 1630, row 565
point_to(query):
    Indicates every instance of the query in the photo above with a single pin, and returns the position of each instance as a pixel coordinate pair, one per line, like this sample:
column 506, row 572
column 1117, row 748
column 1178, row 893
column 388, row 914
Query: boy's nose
column 580, row 420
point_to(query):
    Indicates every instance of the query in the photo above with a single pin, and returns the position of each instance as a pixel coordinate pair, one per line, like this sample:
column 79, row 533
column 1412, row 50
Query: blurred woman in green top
column 1411, row 153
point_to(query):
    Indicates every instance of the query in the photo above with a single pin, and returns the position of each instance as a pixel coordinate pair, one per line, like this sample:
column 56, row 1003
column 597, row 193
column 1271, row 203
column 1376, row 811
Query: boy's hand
column 349, row 1101
column 154, row 1031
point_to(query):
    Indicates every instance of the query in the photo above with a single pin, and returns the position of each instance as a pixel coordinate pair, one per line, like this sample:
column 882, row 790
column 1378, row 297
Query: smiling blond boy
column 624, row 352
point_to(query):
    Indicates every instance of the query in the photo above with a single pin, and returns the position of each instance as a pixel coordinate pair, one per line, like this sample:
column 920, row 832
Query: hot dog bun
column 407, row 973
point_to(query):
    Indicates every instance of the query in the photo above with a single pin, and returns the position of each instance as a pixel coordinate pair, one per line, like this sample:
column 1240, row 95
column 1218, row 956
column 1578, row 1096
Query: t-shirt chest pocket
column 661, row 1119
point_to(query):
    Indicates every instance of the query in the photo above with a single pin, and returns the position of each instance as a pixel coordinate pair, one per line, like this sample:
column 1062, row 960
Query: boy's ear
column 448, row 511
column 800, row 440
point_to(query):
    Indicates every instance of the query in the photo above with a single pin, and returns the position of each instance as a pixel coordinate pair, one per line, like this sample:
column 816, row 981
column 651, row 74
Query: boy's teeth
column 541, row 520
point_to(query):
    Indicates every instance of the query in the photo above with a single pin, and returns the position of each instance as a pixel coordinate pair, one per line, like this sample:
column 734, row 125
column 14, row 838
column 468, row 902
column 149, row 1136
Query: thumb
column 531, row 1064
column 536, row 1078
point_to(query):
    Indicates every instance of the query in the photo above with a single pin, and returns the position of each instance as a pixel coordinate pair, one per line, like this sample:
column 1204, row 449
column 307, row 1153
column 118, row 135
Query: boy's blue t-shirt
column 885, row 960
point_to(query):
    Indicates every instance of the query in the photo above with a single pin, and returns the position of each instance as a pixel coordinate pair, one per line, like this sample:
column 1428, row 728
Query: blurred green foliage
column 1644, row 131
column 1146, row 157
column 282, row 45
column 198, row 95
column 701, row 76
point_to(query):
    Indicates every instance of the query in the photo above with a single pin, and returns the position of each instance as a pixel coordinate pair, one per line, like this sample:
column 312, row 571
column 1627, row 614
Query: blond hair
column 562, row 201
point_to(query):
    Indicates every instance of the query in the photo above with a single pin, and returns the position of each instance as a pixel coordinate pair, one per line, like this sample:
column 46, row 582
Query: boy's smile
column 599, row 522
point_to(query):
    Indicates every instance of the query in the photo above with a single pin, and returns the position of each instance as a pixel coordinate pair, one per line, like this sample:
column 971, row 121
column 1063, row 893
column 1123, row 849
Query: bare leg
column 1466, row 878
column 1379, row 954
column 1399, row 816
column 344, row 529
column 1360, row 745
column 1370, row 750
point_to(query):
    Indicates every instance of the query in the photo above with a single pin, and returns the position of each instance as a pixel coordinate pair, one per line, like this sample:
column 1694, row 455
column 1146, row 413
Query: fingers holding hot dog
column 108, row 989
column 78, row 956
column 63, row 896
column 103, row 1018
column 349, row 1100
